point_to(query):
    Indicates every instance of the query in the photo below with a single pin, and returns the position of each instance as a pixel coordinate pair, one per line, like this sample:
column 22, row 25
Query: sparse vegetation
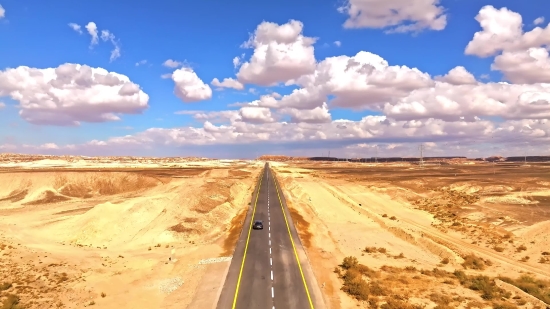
column 445, row 261
column 538, row 288
column 521, row 248
column 498, row 248
column 103, row 294
column 393, row 218
column 472, row 261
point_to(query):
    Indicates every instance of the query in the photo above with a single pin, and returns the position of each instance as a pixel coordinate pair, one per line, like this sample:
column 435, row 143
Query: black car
column 258, row 225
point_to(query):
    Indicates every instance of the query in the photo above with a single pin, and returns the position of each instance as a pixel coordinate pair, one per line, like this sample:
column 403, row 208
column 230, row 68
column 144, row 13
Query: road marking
column 269, row 235
column 246, row 246
column 294, row 247
column 269, row 227
column 272, row 293
column 271, row 275
column 270, row 242
column 269, row 251
column 271, row 263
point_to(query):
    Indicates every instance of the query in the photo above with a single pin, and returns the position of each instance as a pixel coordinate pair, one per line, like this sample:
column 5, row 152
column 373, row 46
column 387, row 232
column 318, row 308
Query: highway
column 269, row 268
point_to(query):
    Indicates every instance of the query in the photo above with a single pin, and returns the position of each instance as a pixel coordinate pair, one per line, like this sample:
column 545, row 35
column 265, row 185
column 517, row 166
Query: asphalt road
column 269, row 268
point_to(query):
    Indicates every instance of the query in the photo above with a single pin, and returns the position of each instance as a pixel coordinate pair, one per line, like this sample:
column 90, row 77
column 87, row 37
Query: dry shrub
column 472, row 261
column 442, row 301
column 399, row 304
column 521, row 248
column 483, row 284
column 179, row 228
column 354, row 284
column 382, row 250
column 370, row 250
column 445, row 261
column 535, row 287
column 436, row 272
column 498, row 249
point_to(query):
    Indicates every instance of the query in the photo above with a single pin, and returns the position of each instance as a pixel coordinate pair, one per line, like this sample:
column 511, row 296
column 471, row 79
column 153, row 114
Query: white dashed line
column 272, row 293
column 271, row 275
column 269, row 227
column 271, row 263
column 269, row 251
column 270, row 242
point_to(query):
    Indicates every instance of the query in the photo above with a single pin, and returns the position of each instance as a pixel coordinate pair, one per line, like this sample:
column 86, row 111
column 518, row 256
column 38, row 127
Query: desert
column 160, row 232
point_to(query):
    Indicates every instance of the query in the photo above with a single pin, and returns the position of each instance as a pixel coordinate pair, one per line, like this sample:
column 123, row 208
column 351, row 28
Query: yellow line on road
column 293, row 246
column 246, row 246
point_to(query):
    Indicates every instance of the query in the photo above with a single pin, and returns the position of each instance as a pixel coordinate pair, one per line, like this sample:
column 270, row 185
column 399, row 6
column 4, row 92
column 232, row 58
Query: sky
column 238, row 79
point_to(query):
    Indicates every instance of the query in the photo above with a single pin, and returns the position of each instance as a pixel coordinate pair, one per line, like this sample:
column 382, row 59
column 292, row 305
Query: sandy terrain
column 413, row 227
column 100, row 233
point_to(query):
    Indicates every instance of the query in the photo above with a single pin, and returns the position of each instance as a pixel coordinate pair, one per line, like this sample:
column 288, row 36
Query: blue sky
column 205, row 36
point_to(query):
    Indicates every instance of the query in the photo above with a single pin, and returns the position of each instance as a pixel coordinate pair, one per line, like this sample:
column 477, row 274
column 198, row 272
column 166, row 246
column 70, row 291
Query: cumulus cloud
column 227, row 83
column 256, row 114
column 2, row 12
column 76, row 27
column 395, row 15
column 319, row 114
column 529, row 66
column 281, row 53
column 458, row 76
column 503, row 31
column 189, row 87
column 71, row 93
column 172, row 63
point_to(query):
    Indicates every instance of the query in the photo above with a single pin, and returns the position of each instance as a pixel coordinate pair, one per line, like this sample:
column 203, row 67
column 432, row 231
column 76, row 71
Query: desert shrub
column 445, row 261
column 399, row 304
column 410, row 268
column 525, row 258
column 498, row 249
column 384, row 216
column 442, row 301
column 521, row 248
column 103, row 294
column 535, row 287
column 393, row 218
column 370, row 249
column 474, row 262
column 382, row 250
column 349, row 262
column 545, row 253
column 400, row 256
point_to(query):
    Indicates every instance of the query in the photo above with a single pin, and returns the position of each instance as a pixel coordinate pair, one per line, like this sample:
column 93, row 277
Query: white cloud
column 71, row 93
column 75, row 27
column 317, row 115
column 2, row 105
column 365, row 80
column 142, row 62
column 2, row 12
column 256, row 114
column 172, row 63
column 539, row 20
column 227, row 83
column 166, row 76
column 108, row 36
column 236, row 62
column 502, row 31
column 458, row 76
column 281, row 53
column 338, row 43
column 530, row 66
column 92, row 30
column 189, row 87
column 397, row 15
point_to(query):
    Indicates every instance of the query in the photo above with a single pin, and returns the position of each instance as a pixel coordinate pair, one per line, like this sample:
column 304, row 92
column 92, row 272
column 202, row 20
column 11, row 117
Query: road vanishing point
column 269, row 268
